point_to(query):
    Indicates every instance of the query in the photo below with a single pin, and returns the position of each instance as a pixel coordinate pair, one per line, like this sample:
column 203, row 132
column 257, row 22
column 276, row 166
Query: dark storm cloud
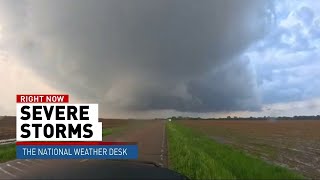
column 148, row 54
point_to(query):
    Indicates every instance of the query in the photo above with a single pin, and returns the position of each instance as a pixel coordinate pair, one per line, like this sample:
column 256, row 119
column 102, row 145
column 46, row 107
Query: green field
column 198, row 157
column 7, row 152
column 114, row 130
column 106, row 131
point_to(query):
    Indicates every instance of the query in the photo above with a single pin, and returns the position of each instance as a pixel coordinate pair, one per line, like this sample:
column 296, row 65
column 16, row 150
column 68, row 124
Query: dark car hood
column 109, row 169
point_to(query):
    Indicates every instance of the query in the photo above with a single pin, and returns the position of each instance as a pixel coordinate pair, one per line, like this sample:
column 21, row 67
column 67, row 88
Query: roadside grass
column 7, row 152
column 106, row 131
column 196, row 156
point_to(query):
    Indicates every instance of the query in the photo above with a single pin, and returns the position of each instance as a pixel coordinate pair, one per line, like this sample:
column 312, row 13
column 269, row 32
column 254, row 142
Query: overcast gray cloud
column 144, row 54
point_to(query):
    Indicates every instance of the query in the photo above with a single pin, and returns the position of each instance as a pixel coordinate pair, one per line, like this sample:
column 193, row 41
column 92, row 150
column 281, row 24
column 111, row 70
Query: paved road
column 151, row 139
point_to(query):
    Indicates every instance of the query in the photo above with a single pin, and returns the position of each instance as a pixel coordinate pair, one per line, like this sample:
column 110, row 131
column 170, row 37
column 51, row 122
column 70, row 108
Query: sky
column 151, row 58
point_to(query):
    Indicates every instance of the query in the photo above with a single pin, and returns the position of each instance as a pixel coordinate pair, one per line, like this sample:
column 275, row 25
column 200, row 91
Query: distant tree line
column 316, row 117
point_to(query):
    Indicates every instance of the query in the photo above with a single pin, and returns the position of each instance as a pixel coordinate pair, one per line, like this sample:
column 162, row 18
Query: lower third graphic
column 77, row 150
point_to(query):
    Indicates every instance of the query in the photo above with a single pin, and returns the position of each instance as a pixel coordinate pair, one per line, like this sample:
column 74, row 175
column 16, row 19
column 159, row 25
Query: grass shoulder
column 114, row 130
column 198, row 157
column 106, row 131
column 7, row 152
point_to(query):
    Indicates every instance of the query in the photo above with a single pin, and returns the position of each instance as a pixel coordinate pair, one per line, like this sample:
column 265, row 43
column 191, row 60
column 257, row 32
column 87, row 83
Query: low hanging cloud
column 145, row 54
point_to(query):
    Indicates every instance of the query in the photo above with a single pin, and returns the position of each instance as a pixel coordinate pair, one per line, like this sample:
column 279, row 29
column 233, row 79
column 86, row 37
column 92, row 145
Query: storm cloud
column 137, row 55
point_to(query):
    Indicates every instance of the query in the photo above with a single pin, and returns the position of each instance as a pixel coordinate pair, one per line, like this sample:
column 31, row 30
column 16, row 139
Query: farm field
column 195, row 155
column 7, row 127
column 292, row 144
